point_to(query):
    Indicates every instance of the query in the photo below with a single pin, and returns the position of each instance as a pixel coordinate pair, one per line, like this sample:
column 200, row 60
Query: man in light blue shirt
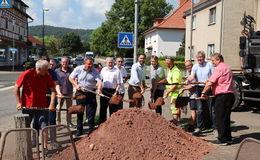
column 137, row 79
column 88, row 77
column 201, row 72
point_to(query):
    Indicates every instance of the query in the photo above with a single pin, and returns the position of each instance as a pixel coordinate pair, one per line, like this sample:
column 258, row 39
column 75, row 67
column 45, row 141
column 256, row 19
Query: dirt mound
column 133, row 134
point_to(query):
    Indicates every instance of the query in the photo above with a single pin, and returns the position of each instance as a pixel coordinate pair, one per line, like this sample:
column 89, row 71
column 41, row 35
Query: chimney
column 157, row 21
column 181, row 2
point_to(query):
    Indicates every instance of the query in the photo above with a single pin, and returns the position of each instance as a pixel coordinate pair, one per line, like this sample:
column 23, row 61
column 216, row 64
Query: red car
column 98, row 66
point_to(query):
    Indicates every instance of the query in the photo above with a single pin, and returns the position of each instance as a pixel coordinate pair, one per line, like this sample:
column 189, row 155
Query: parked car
column 128, row 67
column 78, row 61
column 98, row 66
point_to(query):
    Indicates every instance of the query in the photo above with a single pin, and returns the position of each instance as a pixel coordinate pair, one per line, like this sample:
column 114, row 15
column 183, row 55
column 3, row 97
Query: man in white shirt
column 123, row 72
column 137, row 79
column 112, row 80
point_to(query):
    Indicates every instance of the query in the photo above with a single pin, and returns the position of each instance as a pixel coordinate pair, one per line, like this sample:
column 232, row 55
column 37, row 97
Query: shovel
column 182, row 101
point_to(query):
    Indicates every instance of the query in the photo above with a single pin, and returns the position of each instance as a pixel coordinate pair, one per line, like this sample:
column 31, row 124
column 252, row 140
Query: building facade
column 216, row 28
column 166, row 35
column 14, row 34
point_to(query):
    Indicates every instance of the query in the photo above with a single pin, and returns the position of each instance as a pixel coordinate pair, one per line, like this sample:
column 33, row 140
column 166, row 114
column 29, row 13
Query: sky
column 83, row 14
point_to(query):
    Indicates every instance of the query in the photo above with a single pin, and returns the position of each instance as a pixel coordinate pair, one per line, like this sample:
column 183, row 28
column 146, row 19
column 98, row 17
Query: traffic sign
column 125, row 40
column 5, row 3
column 13, row 49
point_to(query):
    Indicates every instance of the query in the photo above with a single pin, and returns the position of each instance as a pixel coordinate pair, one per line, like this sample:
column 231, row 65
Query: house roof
column 34, row 40
column 173, row 20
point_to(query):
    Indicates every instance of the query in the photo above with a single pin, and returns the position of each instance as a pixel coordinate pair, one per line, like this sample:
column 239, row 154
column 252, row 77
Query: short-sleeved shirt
column 157, row 72
column 124, row 75
column 34, row 88
column 87, row 78
column 111, row 78
column 222, row 79
column 66, row 87
column 138, row 73
column 202, row 72
column 174, row 76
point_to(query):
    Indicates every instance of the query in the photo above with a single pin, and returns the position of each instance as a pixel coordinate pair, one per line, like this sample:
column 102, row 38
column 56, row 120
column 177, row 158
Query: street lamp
column 43, row 10
column 136, row 31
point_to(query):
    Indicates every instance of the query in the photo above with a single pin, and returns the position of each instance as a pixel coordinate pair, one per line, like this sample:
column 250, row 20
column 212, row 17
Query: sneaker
column 55, row 145
column 215, row 133
column 79, row 133
column 197, row 132
column 70, row 125
column 217, row 142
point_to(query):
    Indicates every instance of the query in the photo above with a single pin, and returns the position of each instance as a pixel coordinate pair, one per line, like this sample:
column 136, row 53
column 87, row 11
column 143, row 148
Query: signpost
column 13, row 50
column 125, row 40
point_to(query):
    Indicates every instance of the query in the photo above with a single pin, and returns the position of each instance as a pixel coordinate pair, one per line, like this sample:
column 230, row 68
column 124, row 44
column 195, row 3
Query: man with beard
column 137, row 79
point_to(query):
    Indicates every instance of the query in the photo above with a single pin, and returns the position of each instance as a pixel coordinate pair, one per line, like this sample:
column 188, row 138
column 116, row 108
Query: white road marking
column 6, row 88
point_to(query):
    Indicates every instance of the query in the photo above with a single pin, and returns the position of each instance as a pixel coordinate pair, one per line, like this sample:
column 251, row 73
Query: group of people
column 42, row 85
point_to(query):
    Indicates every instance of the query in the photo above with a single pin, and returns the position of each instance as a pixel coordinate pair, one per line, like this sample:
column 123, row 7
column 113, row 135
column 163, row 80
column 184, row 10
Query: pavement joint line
column 6, row 88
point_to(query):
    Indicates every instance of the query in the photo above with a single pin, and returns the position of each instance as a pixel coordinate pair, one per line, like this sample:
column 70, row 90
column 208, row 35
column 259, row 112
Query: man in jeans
column 201, row 73
column 66, row 89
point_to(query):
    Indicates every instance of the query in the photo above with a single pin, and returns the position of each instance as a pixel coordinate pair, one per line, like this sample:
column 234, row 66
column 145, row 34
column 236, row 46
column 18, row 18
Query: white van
column 89, row 54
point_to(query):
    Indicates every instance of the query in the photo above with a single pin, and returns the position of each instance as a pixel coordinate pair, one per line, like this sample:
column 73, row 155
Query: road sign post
column 5, row 3
column 125, row 40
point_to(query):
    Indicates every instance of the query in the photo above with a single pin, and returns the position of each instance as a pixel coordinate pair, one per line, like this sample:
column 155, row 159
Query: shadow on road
column 255, row 135
column 239, row 128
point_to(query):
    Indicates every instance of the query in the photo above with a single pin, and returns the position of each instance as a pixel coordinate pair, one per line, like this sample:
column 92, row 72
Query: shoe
column 197, row 132
column 190, row 128
column 55, row 145
column 70, row 125
column 215, row 133
column 218, row 142
column 90, row 130
column 79, row 132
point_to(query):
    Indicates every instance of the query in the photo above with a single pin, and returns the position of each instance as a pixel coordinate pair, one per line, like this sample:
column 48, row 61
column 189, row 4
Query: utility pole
column 191, row 28
column 136, row 31
column 13, row 52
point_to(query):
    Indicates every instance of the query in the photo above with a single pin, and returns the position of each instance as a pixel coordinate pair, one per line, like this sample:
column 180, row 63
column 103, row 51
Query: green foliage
column 176, row 58
column 59, row 32
column 181, row 51
column 179, row 64
column 120, row 18
column 71, row 43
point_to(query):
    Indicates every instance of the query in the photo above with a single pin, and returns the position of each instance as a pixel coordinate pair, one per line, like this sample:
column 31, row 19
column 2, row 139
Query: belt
column 134, row 86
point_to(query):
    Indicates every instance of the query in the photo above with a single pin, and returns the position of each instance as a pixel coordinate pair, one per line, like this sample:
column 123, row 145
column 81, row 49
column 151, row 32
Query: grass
column 179, row 64
column 74, row 119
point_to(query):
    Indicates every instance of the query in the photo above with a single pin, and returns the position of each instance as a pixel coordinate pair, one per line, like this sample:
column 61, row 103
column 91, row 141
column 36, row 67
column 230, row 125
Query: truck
column 247, row 80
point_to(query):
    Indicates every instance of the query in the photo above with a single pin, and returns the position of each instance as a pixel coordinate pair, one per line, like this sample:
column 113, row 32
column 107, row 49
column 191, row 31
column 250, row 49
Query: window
column 211, row 50
column 191, row 52
column 194, row 22
column 2, row 54
column 212, row 15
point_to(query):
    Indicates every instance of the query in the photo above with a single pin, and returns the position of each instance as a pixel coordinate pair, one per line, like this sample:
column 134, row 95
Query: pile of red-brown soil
column 134, row 134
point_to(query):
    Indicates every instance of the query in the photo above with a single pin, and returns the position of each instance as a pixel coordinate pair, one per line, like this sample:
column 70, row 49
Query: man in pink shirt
column 221, row 83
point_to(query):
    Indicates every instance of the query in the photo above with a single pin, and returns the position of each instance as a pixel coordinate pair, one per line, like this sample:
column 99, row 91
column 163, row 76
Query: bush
column 176, row 58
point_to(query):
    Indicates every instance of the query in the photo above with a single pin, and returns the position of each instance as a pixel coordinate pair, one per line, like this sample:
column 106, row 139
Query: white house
column 166, row 35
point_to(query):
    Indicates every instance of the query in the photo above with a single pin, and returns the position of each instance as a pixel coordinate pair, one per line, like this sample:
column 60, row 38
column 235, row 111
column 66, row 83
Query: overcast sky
column 86, row 14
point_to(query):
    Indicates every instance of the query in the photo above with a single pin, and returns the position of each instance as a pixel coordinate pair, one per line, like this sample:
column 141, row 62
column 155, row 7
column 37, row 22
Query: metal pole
column 13, row 53
column 191, row 27
column 43, row 50
column 136, row 30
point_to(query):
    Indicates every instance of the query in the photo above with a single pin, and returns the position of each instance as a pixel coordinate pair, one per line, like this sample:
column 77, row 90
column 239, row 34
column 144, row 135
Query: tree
column 71, row 44
column 181, row 51
column 121, row 19
column 85, row 46
column 52, row 45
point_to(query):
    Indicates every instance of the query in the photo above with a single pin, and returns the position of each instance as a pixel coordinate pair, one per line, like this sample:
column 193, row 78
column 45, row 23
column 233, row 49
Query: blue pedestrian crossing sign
column 125, row 40
column 5, row 3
